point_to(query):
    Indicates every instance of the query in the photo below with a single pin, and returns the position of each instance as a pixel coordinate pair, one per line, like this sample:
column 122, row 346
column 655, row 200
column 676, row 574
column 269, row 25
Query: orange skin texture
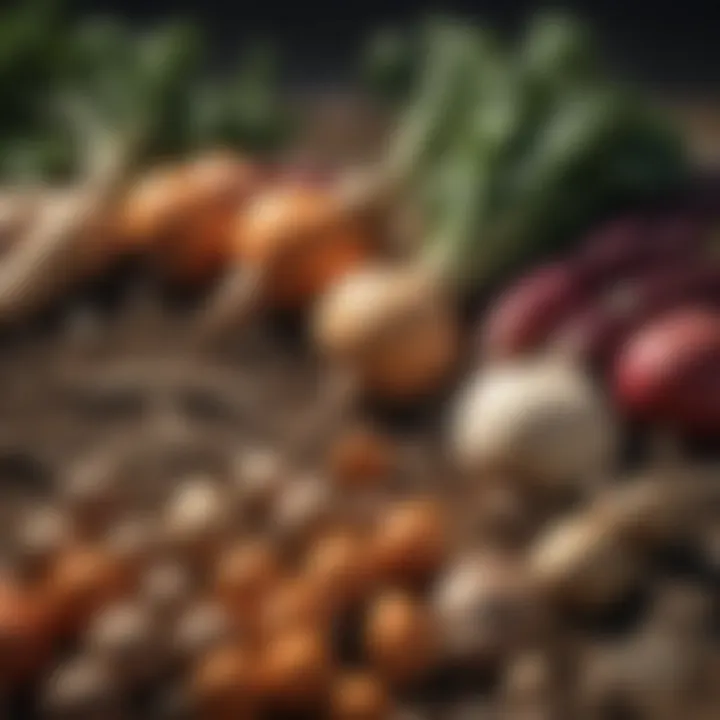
column 182, row 215
column 300, row 239
column 224, row 684
column 359, row 696
column 84, row 580
column 401, row 638
column 297, row 669
column 411, row 542
column 26, row 637
column 245, row 576
column 361, row 457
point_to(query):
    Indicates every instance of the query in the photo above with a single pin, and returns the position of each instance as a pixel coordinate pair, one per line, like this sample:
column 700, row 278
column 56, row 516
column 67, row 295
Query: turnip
column 542, row 418
column 392, row 331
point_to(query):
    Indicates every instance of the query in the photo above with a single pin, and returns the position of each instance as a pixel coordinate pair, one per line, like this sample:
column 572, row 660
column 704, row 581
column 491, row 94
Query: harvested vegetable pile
column 432, row 436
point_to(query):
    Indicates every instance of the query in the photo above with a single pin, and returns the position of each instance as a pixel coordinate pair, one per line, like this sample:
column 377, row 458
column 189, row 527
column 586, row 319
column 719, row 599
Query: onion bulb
column 290, row 244
column 391, row 329
column 541, row 418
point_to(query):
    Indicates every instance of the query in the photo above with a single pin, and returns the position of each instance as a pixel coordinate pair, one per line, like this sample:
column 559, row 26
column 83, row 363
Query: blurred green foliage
column 157, row 79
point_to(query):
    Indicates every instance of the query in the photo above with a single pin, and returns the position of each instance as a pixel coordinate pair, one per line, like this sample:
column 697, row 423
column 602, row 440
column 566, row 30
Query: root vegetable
column 668, row 373
column 524, row 316
column 298, row 602
column 181, row 215
column 291, row 243
column 125, row 637
column 166, row 588
column 391, row 330
column 245, row 575
column 359, row 696
column 487, row 608
column 401, row 638
column 84, row 579
column 596, row 332
column 69, row 242
column 26, row 634
column 258, row 476
column 296, row 670
column 360, row 457
column 202, row 626
column 411, row 542
column 541, row 418
column 223, row 684
column 83, row 688
column 631, row 245
column 41, row 536
column 339, row 565
column 583, row 562
column 196, row 519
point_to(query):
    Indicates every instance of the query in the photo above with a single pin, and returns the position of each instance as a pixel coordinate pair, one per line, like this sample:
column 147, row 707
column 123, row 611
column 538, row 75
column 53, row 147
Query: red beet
column 669, row 372
column 525, row 315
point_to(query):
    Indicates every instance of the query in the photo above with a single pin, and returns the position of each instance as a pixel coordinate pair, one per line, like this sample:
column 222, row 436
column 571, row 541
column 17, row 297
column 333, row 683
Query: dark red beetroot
column 596, row 331
column 524, row 316
column 669, row 372
column 636, row 243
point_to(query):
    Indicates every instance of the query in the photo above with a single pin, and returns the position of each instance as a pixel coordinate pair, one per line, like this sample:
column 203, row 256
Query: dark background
column 671, row 44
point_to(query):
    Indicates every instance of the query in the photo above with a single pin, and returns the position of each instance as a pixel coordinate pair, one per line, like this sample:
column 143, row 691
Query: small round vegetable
column 338, row 564
column 41, row 535
column 303, row 510
column 83, row 580
column 359, row 696
column 523, row 317
column 542, row 419
column 291, row 243
column 486, row 607
column 223, row 684
column 124, row 635
column 668, row 372
column 82, row 688
column 401, row 638
column 298, row 602
column 92, row 496
column 26, row 633
column 258, row 477
column 392, row 330
column 582, row 562
column 196, row 518
column 297, row 669
column 245, row 575
column 134, row 542
column 202, row 626
column 201, row 244
column 166, row 588
column 411, row 541
column 361, row 456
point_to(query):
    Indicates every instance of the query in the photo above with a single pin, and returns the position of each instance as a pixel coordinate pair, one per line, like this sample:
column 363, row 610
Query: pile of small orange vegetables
column 237, row 588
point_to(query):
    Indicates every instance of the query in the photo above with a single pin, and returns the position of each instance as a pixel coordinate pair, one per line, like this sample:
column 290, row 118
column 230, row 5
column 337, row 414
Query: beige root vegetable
column 542, row 419
column 583, row 562
column 41, row 535
column 196, row 518
column 258, row 475
column 83, row 688
column 166, row 588
column 69, row 240
column 92, row 495
column 391, row 330
column 203, row 625
column 487, row 608
column 124, row 635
